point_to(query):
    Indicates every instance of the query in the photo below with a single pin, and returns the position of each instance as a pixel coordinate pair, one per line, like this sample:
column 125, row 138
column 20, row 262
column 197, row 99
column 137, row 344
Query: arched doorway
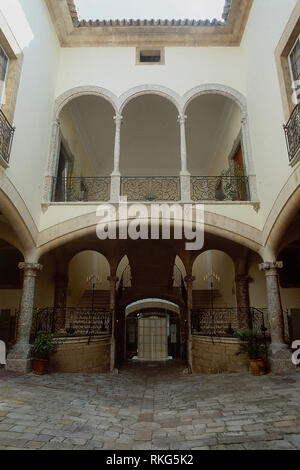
column 152, row 330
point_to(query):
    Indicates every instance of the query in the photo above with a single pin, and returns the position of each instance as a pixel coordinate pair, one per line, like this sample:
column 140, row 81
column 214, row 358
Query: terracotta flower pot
column 258, row 366
column 40, row 366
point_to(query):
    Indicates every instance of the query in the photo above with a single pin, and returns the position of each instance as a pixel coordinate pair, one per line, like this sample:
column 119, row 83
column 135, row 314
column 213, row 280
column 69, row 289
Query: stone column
column 279, row 354
column 185, row 179
column 242, row 300
column 19, row 359
column 60, row 301
column 113, row 282
column 115, row 176
column 117, row 152
column 189, row 282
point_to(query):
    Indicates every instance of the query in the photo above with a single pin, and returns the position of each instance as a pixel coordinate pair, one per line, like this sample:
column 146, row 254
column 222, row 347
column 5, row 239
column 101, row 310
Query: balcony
column 81, row 189
column 219, row 188
column 6, row 138
column 165, row 188
column 71, row 321
column 151, row 189
column 292, row 134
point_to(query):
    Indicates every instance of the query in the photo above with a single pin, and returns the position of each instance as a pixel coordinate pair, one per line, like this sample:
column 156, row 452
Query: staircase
column 101, row 299
column 202, row 299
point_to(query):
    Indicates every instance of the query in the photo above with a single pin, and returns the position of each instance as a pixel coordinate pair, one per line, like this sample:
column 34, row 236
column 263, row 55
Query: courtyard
column 150, row 406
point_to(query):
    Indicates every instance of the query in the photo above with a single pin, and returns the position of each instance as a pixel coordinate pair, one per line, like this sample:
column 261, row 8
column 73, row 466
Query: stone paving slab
column 157, row 408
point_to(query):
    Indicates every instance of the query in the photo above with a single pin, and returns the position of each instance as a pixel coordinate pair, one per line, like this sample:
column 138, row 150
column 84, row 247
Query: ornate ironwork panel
column 76, row 189
column 223, row 322
column 219, row 188
column 226, row 321
column 292, row 133
column 79, row 321
column 156, row 188
column 6, row 137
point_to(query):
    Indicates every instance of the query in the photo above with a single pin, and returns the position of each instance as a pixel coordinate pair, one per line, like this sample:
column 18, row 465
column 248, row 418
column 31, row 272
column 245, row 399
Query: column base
column 19, row 365
column 19, row 359
column 280, row 359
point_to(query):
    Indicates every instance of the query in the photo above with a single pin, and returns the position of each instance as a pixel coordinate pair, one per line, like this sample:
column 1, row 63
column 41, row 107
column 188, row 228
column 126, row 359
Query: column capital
column 181, row 118
column 30, row 268
column 189, row 280
column 268, row 267
column 118, row 118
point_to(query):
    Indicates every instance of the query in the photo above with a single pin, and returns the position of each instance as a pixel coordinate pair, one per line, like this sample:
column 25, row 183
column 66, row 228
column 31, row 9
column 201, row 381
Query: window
column 4, row 63
column 294, row 58
column 150, row 56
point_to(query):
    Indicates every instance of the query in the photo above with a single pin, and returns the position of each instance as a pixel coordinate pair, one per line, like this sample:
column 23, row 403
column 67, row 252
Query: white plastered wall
column 81, row 266
column 32, row 27
column 221, row 264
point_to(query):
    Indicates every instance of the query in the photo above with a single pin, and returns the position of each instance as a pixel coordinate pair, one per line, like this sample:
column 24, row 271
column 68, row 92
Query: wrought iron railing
column 219, row 188
column 225, row 322
column 71, row 321
column 151, row 188
column 292, row 133
column 85, row 189
column 6, row 137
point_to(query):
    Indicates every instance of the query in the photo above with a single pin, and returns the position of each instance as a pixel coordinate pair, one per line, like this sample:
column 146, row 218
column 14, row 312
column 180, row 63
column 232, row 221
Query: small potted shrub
column 43, row 347
column 250, row 344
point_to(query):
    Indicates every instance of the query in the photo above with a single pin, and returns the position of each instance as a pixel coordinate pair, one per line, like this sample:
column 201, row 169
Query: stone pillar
column 183, row 153
column 115, row 182
column 279, row 354
column 113, row 282
column 19, row 359
column 60, row 301
column 185, row 179
column 117, row 152
column 189, row 282
column 242, row 300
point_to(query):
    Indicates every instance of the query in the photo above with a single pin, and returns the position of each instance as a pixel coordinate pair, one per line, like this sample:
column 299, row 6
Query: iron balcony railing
column 71, row 321
column 220, row 188
column 151, row 188
column 292, row 133
column 225, row 322
column 77, row 189
column 6, row 137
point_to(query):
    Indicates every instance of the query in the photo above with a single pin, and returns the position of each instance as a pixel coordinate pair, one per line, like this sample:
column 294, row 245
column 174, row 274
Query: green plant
column 45, row 345
column 233, row 184
column 250, row 344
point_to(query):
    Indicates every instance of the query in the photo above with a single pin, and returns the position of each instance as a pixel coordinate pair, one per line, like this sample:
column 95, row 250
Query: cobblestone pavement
column 150, row 407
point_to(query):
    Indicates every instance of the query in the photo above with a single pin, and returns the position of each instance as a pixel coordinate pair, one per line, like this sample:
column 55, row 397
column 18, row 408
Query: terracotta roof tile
column 161, row 22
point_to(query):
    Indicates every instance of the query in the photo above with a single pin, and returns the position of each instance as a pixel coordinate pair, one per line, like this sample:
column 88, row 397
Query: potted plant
column 250, row 344
column 43, row 347
column 233, row 184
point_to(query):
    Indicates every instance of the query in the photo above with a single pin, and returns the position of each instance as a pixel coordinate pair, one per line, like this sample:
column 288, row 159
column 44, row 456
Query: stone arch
column 84, row 263
column 86, row 224
column 162, row 91
column 73, row 93
column 222, row 264
column 215, row 88
column 60, row 102
column 282, row 213
column 22, row 227
column 240, row 100
column 155, row 303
